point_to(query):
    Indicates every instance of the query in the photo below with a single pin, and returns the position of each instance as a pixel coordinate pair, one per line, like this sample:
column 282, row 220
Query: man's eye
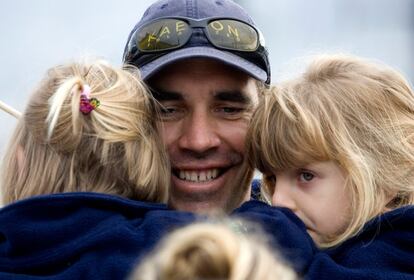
column 166, row 110
column 169, row 113
column 230, row 112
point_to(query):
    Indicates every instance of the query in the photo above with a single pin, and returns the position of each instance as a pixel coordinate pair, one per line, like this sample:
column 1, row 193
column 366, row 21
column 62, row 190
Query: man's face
column 207, row 107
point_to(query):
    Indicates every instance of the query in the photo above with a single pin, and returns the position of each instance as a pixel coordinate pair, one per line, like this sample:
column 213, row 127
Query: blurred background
column 36, row 35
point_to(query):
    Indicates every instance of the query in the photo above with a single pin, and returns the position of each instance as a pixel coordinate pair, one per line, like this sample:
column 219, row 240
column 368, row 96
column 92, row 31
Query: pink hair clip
column 87, row 104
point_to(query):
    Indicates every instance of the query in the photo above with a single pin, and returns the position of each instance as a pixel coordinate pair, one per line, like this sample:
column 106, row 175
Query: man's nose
column 200, row 133
column 282, row 195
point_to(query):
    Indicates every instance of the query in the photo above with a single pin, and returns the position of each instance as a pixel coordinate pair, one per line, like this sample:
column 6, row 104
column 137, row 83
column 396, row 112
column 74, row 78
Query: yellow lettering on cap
column 179, row 27
column 165, row 31
column 217, row 26
column 151, row 37
column 233, row 31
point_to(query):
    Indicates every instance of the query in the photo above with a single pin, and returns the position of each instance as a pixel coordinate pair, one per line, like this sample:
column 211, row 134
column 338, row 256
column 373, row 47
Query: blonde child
column 111, row 149
column 336, row 147
column 83, row 159
column 214, row 250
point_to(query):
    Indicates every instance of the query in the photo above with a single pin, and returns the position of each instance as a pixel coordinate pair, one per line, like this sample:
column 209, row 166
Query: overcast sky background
column 36, row 35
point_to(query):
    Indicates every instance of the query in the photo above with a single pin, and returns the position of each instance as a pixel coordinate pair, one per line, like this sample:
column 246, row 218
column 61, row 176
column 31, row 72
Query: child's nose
column 282, row 196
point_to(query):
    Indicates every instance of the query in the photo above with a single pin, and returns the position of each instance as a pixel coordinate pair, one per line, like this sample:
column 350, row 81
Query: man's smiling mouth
column 198, row 176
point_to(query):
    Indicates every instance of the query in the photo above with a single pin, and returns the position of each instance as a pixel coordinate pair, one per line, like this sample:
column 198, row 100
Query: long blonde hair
column 351, row 111
column 209, row 250
column 115, row 149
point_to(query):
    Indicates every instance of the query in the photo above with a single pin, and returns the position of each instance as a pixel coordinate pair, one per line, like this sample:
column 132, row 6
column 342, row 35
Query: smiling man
column 205, row 62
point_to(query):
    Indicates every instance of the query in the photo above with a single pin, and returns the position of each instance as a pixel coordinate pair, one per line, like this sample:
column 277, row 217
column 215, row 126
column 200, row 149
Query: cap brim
column 231, row 59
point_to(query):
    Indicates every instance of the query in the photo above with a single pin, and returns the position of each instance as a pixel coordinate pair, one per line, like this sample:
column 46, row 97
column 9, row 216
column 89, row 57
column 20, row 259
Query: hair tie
column 87, row 104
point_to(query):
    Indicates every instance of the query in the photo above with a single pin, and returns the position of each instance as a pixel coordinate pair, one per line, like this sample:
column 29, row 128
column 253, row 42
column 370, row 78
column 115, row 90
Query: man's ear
column 20, row 158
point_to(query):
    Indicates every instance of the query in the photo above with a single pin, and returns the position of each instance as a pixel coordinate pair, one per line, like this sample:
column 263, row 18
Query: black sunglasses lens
column 162, row 35
column 233, row 35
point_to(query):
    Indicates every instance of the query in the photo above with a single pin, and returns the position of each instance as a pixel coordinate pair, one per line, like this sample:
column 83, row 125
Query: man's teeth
column 199, row 176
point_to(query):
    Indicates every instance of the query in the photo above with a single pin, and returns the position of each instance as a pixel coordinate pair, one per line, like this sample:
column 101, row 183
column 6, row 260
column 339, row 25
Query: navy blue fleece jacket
column 80, row 235
column 96, row 236
column 383, row 250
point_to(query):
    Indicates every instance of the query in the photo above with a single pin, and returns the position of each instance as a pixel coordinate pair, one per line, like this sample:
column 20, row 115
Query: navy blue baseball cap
column 206, row 24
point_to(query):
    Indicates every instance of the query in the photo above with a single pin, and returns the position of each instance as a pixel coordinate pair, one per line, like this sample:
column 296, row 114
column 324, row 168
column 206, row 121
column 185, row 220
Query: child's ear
column 20, row 158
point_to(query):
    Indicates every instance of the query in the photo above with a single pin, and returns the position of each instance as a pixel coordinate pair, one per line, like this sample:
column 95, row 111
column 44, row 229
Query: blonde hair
column 213, row 251
column 115, row 149
column 344, row 109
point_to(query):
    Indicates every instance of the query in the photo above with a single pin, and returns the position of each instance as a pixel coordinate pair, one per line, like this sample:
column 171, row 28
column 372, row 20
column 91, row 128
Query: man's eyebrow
column 164, row 95
column 233, row 96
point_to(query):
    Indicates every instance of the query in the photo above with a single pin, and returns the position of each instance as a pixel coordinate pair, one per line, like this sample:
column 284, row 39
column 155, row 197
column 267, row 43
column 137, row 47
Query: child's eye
column 306, row 176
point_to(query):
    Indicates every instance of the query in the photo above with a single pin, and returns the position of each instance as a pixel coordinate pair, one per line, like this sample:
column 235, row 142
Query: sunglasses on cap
column 166, row 34
column 171, row 33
